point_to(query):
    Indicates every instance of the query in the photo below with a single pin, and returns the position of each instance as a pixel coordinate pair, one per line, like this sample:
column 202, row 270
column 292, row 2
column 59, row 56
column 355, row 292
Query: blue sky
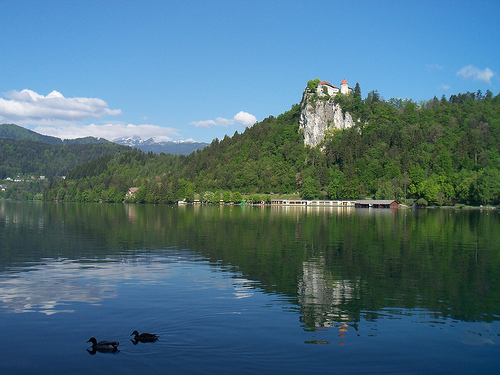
column 198, row 70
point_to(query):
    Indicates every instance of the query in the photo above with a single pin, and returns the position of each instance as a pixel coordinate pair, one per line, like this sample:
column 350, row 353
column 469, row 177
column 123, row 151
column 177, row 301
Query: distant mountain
column 157, row 147
column 12, row 131
column 16, row 132
column 85, row 141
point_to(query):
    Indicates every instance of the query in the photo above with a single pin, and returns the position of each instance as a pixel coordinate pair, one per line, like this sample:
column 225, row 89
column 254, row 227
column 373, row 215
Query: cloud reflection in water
column 53, row 283
column 49, row 285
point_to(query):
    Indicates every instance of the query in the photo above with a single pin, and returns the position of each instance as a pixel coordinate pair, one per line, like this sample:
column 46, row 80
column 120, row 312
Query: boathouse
column 377, row 203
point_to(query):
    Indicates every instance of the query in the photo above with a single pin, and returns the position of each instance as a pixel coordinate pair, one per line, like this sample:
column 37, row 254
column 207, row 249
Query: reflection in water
column 322, row 298
column 332, row 262
column 299, row 212
column 48, row 286
column 225, row 285
column 93, row 351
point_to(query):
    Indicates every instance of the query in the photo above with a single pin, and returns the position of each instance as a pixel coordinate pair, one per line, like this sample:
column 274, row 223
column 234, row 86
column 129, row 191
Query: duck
column 144, row 337
column 103, row 346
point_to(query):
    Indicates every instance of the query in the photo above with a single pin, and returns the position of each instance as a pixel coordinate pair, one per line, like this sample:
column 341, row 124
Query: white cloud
column 241, row 118
column 245, row 119
column 28, row 107
column 204, row 124
column 445, row 87
column 470, row 71
column 109, row 131
column 62, row 117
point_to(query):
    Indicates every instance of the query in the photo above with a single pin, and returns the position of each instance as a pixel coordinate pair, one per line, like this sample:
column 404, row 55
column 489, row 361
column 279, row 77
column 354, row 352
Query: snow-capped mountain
column 156, row 146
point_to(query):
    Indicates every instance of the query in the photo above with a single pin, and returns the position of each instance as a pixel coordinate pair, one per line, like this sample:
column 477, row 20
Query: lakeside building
column 364, row 203
column 377, row 203
column 318, row 203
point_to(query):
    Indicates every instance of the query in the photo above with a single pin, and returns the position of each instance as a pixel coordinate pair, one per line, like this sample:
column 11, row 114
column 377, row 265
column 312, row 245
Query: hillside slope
column 12, row 131
column 26, row 157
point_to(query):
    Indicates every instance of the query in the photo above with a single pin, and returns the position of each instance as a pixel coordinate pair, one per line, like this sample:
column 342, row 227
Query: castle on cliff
column 318, row 116
column 327, row 88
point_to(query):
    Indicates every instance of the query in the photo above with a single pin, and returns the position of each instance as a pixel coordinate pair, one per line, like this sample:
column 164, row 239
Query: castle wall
column 332, row 91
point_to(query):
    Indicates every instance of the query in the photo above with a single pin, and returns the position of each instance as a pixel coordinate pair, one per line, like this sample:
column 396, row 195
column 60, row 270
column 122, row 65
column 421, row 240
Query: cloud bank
column 65, row 118
column 241, row 118
column 472, row 72
column 28, row 107
column 62, row 117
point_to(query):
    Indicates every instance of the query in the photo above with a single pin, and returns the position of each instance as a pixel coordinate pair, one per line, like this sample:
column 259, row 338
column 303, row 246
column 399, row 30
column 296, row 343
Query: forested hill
column 438, row 152
column 12, row 131
column 26, row 157
column 24, row 152
column 270, row 152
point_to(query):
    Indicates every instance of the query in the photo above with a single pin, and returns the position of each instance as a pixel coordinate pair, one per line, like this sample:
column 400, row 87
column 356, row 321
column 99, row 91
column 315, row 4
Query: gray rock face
column 320, row 115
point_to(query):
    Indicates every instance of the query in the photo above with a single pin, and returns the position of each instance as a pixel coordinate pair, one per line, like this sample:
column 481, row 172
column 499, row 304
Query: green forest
column 27, row 160
column 24, row 157
column 435, row 152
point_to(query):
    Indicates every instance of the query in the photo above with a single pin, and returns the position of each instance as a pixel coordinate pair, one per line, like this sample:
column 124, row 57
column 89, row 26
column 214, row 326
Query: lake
column 249, row 290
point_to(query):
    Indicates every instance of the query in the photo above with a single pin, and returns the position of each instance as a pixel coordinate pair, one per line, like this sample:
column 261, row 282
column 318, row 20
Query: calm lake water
column 249, row 290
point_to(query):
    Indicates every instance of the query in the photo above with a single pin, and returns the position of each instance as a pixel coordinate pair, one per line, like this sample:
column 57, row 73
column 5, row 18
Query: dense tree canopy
column 437, row 152
column 27, row 157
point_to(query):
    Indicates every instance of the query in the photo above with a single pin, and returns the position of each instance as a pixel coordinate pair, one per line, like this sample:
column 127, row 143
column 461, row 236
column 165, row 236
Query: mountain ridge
column 157, row 147
column 16, row 132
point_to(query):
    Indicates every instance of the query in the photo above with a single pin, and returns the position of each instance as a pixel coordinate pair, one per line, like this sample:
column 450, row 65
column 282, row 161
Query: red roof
column 344, row 82
column 327, row 84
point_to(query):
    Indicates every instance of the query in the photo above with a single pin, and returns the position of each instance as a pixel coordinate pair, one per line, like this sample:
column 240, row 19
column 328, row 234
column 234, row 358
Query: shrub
column 422, row 202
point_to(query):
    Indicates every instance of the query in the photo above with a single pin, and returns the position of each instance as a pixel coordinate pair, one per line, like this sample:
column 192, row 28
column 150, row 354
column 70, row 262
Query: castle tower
column 344, row 87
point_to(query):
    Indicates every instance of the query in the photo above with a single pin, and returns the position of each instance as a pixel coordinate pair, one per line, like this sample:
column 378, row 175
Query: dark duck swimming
column 143, row 337
column 103, row 346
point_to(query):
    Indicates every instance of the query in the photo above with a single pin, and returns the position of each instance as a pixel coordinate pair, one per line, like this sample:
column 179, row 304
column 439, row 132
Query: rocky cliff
column 318, row 114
